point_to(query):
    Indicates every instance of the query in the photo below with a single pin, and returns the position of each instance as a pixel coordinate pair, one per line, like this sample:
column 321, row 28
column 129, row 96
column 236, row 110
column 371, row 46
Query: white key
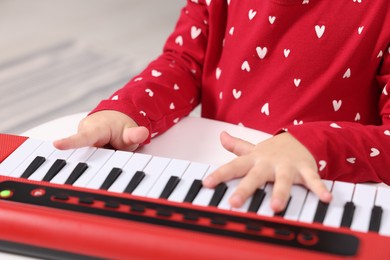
column 298, row 196
column 117, row 160
column 382, row 199
column 195, row 171
column 43, row 150
column 363, row 198
column 231, row 187
column 40, row 173
column 309, row 209
column 136, row 163
column 152, row 171
column 265, row 207
column 17, row 157
column 175, row 168
column 79, row 155
column 244, row 207
column 342, row 192
column 95, row 162
column 205, row 194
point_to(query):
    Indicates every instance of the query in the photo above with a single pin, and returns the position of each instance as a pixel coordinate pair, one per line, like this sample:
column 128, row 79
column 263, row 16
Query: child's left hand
column 281, row 159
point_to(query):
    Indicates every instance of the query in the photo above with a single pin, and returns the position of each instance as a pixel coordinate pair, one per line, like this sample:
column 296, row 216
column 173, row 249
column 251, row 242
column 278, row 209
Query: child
column 314, row 73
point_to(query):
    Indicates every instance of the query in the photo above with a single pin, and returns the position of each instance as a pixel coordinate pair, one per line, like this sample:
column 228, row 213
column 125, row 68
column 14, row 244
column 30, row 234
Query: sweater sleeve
column 351, row 151
column 169, row 87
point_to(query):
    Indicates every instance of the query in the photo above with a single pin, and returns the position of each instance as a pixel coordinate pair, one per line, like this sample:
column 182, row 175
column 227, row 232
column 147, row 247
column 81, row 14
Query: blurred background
column 62, row 57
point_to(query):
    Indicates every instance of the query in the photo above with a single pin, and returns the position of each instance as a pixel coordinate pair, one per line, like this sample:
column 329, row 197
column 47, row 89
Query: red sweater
column 319, row 69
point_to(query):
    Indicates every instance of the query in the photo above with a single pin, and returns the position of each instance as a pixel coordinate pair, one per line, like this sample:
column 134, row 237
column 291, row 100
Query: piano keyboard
column 361, row 208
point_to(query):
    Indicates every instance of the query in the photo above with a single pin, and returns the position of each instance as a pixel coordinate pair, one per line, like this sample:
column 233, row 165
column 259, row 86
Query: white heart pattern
column 265, row 109
column 172, row 106
column 297, row 82
column 360, row 29
column 357, row 117
column 231, row 31
column 271, row 19
column 115, row 97
column 218, row 73
column 195, row 32
column 251, row 14
column 245, row 66
column 236, row 93
column 322, row 164
column 387, row 132
column 156, row 73
column 351, row 160
column 261, row 52
column 179, row 40
column 374, row 152
column 320, row 30
column 347, row 74
column 334, row 125
column 176, row 87
column 337, row 104
column 286, row 52
column 150, row 92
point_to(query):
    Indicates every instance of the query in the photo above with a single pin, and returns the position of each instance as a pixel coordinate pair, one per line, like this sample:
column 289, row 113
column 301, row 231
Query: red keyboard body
column 62, row 221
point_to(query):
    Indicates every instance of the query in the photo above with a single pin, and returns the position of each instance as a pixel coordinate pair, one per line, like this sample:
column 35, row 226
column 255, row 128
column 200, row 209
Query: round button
column 38, row 192
column 307, row 238
column 4, row 194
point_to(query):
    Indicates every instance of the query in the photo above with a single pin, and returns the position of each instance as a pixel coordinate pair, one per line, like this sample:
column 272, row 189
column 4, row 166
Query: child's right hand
column 106, row 128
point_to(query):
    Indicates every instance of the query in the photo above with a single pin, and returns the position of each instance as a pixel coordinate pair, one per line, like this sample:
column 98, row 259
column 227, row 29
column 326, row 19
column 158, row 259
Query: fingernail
column 326, row 196
column 277, row 204
column 209, row 181
column 236, row 201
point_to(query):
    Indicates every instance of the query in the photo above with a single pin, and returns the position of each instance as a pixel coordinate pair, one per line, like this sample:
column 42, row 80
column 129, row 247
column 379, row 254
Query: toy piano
column 104, row 204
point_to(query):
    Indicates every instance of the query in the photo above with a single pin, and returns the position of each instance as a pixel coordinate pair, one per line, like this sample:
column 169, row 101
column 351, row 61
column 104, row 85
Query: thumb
column 235, row 145
column 133, row 136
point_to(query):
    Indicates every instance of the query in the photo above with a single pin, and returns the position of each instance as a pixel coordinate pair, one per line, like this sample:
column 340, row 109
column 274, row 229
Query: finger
column 234, row 169
column 281, row 189
column 131, row 138
column 235, row 145
column 314, row 183
column 78, row 140
column 255, row 178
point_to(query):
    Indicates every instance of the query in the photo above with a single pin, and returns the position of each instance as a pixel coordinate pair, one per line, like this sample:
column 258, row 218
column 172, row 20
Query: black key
column 76, row 173
column 134, row 182
column 376, row 219
column 256, row 201
column 54, row 169
column 193, row 191
column 171, row 185
column 34, row 165
column 349, row 209
column 218, row 194
column 321, row 210
column 283, row 212
column 112, row 176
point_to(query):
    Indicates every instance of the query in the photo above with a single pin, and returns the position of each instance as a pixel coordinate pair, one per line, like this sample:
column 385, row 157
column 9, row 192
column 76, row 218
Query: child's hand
column 106, row 128
column 281, row 159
